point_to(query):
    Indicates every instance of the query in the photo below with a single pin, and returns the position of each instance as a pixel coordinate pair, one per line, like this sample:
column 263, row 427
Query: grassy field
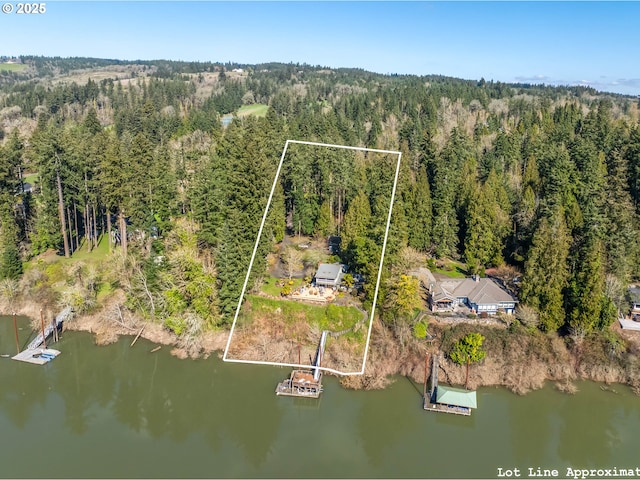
column 12, row 67
column 458, row 272
column 56, row 267
column 258, row 109
column 270, row 288
column 96, row 255
column 32, row 178
column 450, row 268
column 330, row 317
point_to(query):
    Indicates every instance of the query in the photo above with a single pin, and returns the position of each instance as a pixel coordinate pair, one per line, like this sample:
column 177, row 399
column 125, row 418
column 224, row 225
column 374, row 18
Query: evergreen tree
column 546, row 271
column 91, row 122
column 11, row 266
column 419, row 213
column 621, row 225
column 586, row 288
column 357, row 219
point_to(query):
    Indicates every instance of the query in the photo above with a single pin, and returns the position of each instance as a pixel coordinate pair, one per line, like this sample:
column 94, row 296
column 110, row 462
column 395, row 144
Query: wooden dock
column 34, row 353
column 48, row 329
column 441, row 407
column 305, row 383
column 37, row 356
column 301, row 383
column 447, row 400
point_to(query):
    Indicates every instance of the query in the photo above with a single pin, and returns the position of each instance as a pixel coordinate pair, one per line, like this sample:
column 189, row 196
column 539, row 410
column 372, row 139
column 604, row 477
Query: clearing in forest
column 334, row 204
column 12, row 67
column 256, row 109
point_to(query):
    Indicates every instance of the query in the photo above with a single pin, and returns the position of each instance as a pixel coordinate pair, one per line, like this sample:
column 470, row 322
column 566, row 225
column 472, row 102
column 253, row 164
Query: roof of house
column 488, row 291
column 481, row 292
column 329, row 270
column 441, row 294
column 456, row 396
column 424, row 275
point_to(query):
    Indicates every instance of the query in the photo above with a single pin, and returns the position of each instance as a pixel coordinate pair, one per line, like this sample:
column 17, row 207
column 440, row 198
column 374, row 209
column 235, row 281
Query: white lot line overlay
column 255, row 249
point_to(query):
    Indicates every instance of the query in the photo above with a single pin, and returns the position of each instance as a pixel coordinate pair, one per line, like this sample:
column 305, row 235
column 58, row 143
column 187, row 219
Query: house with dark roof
column 329, row 275
column 479, row 294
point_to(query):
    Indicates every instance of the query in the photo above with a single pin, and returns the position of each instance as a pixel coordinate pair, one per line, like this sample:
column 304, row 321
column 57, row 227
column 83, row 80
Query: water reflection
column 530, row 413
column 587, row 431
column 126, row 412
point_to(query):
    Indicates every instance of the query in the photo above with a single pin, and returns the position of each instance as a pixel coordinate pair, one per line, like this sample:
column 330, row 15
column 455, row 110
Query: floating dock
column 305, row 383
column 37, row 356
column 34, row 353
column 446, row 399
column 301, row 383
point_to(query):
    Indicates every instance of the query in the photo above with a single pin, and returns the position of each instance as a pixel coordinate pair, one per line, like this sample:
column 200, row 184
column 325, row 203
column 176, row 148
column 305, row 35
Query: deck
column 300, row 384
column 439, row 407
column 305, row 383
column 629, row 324
column 37, row 356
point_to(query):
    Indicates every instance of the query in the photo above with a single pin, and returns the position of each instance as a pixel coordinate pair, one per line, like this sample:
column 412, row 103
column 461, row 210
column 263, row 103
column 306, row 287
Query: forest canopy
column 545, row 180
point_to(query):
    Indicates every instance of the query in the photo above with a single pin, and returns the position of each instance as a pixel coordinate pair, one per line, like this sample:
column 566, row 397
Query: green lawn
column 32, row 178
column 12, row 67
column 451, row 269
column 257, row 109
column 457, row 273
column 96, row 255
column 270, row 288
column 330, row 317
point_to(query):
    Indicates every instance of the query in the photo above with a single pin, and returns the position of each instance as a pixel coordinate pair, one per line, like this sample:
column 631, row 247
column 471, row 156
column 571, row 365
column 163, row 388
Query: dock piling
column 15, row 327
column 44, row 338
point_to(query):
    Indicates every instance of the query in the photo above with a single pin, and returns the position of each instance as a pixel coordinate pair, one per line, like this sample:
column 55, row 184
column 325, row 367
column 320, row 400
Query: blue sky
column 590, row 43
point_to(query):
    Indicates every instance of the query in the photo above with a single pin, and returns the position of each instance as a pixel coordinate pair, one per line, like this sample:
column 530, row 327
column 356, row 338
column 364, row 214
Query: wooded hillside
column 543, row 179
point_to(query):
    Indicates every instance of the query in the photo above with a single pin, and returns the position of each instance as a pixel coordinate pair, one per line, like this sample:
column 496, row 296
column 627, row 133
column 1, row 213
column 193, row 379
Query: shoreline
column 521, row 363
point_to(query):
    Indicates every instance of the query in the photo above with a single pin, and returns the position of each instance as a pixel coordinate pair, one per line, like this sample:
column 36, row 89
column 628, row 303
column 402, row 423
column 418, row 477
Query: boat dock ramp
column 305, row 383
column 34, row 353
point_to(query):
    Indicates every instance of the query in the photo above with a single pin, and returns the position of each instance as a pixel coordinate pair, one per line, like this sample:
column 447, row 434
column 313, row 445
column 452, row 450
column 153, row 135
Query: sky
column 568, row 43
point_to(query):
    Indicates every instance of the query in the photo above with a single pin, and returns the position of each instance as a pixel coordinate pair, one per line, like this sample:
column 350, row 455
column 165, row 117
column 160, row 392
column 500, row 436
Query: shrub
column 420, row 330
column 176, row 325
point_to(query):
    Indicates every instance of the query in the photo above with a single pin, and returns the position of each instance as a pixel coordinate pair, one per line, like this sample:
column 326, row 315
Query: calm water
column 117, row 411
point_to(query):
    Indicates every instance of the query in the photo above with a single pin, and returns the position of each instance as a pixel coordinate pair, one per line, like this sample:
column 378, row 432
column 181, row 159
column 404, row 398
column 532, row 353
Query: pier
column 40, row 356
column 305, row 383
column 438, row 398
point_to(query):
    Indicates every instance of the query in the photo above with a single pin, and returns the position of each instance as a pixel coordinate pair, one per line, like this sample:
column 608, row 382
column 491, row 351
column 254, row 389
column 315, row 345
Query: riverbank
column 518, row 359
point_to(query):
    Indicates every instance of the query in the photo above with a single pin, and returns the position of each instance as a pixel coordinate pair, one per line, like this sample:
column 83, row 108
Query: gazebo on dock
column 456, row 397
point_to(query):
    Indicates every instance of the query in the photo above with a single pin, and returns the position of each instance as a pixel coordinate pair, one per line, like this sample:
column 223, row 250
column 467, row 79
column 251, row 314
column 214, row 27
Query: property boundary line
column 255, row 249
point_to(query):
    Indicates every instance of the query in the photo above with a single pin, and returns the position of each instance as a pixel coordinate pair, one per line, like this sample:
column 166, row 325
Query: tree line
column 544, row 179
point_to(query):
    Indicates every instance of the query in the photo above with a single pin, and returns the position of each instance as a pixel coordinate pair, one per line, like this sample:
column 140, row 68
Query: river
column 118, row 411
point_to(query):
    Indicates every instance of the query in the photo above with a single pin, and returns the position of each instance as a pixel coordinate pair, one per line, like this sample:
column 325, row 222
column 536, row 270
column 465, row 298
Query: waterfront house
column 478, row 294
column 329, row 275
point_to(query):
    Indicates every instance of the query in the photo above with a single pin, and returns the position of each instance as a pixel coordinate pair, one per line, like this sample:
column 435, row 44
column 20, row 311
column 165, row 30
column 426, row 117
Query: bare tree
column 614, row 289
column 191, row 338
column 528, row 316
column 9, row 290
column 292, row 258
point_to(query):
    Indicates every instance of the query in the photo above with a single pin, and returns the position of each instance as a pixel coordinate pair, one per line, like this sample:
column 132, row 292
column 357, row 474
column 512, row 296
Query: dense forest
column 541, row 181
